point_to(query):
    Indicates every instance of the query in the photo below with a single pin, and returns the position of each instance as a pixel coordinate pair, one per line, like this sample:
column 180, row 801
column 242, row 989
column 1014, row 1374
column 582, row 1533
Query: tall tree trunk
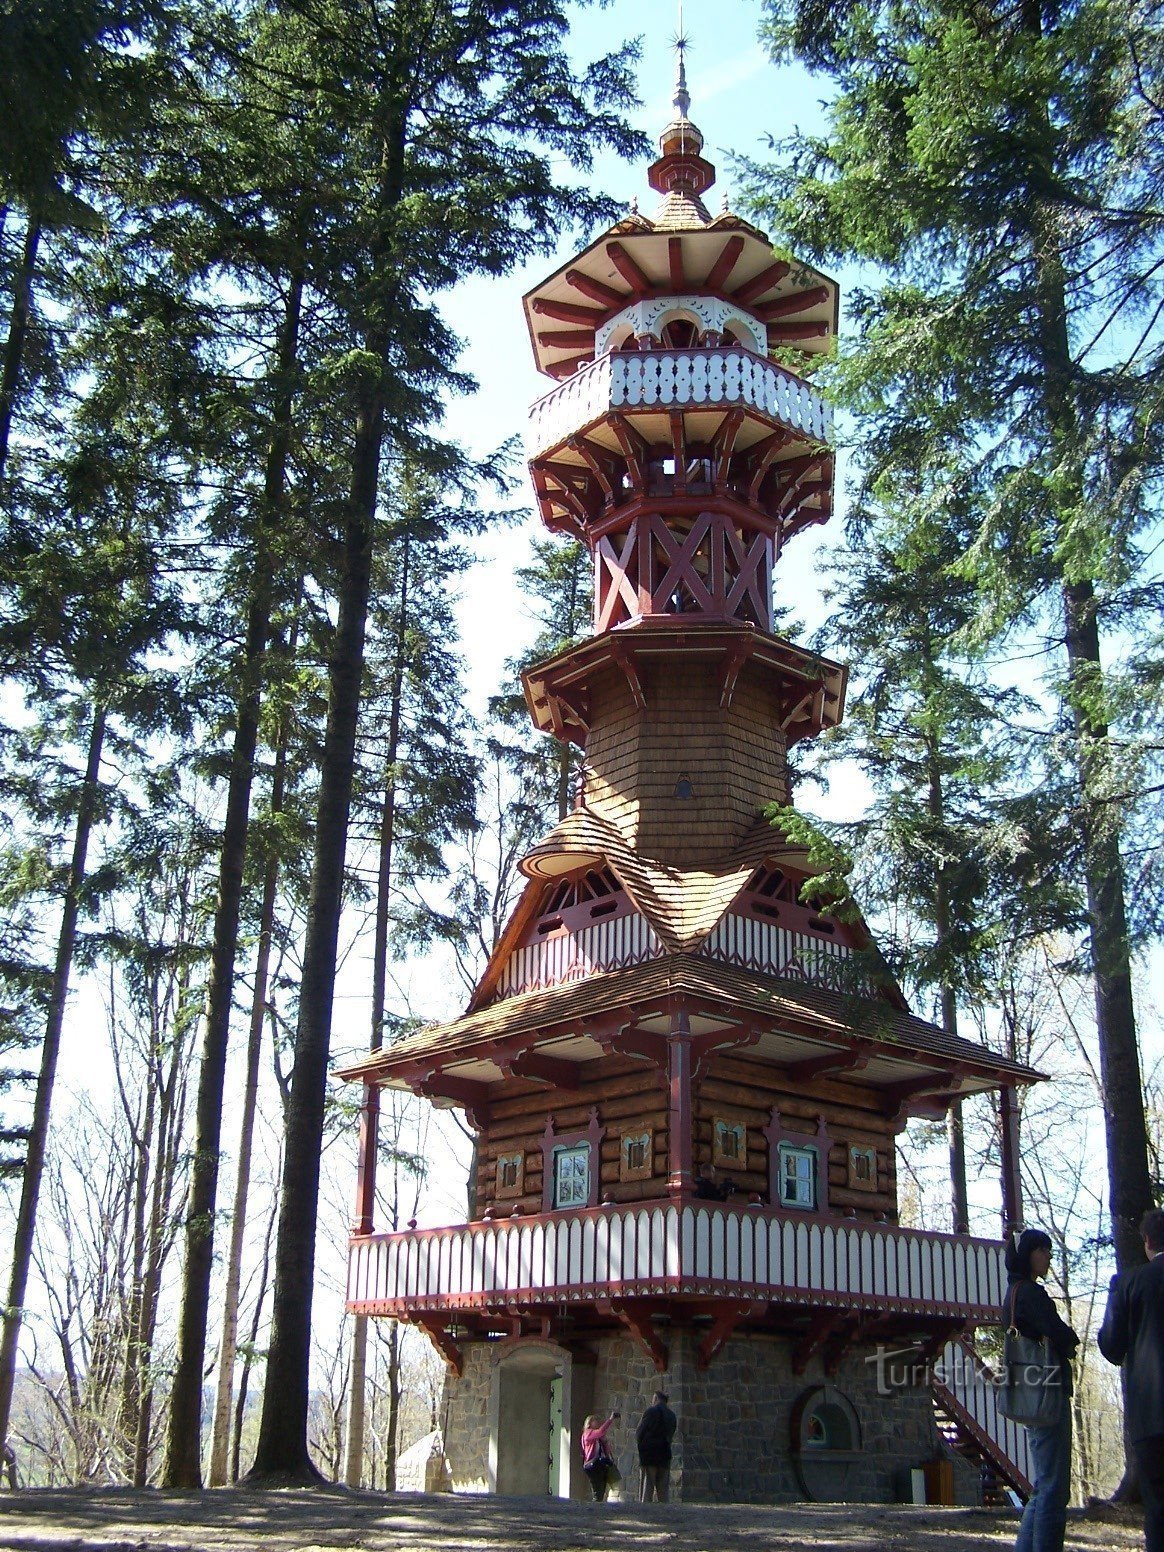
column 18, row 321
column 228, row 1348
column 1129, row 1177
column 354, row 1464
column 282, row 1452
column 1128, row 1173
column 50, row 1049
column 184, row 1443
column 240, row 1406
column 392, row 1430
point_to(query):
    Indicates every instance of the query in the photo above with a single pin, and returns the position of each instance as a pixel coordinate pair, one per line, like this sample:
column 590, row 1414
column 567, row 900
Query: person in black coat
column 1132, row 1334
column 1029, row 1307
column 654, row 1434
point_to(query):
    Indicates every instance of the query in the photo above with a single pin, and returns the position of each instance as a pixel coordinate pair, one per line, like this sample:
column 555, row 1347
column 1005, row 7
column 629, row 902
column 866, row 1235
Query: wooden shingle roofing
column 809, row 1010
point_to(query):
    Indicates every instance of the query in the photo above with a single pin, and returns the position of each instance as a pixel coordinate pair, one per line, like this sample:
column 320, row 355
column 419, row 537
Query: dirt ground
column 121, row 1520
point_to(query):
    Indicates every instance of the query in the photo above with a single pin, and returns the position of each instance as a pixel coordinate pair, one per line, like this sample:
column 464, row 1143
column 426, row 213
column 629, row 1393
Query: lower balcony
column 675, row 1253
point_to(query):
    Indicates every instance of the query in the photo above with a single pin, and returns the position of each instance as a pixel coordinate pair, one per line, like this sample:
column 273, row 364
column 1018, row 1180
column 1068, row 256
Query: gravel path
column 294, row 1520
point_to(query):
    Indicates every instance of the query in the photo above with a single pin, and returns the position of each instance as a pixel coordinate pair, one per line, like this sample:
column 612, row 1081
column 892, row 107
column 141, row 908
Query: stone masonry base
column 736, row 1419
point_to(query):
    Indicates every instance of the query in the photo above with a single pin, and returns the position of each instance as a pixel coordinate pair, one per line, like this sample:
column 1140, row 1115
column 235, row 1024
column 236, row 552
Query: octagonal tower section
column 683, row 448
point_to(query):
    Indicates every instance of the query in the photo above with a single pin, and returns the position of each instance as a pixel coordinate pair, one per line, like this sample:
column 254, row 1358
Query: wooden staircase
column 965, row 1396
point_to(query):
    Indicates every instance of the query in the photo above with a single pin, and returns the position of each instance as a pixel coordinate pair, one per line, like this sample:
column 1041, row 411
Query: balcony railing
column 638, row 380
column 676, row 1250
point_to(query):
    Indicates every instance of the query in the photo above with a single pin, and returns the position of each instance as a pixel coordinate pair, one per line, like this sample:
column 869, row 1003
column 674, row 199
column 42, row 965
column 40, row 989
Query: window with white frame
column 797, row 1177
column 572, row 1176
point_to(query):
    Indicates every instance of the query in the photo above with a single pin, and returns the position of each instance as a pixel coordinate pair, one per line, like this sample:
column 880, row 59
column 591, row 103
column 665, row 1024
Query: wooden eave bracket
column 729, row 670
column 820, row 1327
column 525, row 1062
column 625, row 659
column 723, row 445
column 844, row 1335
column 433, row 1083
column 639, row 1044
column 939, row 1086
column 628, row 268
column 949, row 1331
column 722, row 1327
column 638, row 1323
column 434, row 1328
column 849, row 1058
column 733, row 1038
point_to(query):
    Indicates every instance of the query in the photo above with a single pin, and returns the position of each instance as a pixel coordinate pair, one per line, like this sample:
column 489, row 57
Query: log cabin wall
column 629, row 1098
column 684, row 778
column 733, row 1086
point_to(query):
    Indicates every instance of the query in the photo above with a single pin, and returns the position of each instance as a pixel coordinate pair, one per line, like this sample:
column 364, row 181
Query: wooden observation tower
column 663, row 999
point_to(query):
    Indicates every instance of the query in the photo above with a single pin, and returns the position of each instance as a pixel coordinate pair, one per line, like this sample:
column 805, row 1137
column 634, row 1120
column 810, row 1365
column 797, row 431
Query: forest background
column 209, row 314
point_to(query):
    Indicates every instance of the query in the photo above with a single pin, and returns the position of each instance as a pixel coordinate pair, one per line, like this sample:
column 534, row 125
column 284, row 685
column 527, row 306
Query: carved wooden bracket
column 729, row 670
column 853, row 1057
column 638, row 1323
column 625, row 659
column 434, row 1329
column 935, row 1085
column 730, row 1039
column 433, row 1083
column 722, row 1327
column 820, row 1328
column 524, row 1062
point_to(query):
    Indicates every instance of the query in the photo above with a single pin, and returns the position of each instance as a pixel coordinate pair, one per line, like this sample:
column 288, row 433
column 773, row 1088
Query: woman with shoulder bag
column 597, row 1460
column 1030, row 1313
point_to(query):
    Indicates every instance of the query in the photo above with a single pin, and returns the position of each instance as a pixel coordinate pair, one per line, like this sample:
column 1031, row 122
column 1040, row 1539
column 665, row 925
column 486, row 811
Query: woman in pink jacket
column 597, row 1459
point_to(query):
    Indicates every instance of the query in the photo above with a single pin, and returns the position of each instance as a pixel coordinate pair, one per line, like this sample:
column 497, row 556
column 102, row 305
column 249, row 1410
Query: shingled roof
column 815, row 1010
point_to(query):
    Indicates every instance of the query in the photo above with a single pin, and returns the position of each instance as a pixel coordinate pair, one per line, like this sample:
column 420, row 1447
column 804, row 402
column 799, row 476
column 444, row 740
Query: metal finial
column 681, row 99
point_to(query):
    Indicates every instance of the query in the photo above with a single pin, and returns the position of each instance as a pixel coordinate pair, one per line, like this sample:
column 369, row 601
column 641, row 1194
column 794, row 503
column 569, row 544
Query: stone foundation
column 736, row 1421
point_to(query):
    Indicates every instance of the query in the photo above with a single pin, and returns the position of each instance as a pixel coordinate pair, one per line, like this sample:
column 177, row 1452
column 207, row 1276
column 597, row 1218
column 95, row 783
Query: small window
column 797, row 1177
column 510, row 1173
column 863, row 1169
column 572, row 1176
column 636, row 1161
column 729, row 1143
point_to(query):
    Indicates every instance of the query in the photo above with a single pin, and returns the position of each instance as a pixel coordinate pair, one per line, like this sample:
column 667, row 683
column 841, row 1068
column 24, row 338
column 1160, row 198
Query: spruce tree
column 447, row 122
column 981, row 155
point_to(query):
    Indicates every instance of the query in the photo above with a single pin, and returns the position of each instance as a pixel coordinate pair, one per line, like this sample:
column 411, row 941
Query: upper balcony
column 761, row 1264
column 699, row 380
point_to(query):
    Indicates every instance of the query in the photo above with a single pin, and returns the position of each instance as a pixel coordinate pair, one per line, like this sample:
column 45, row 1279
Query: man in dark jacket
column 1133, row 1335
column 654, row 1434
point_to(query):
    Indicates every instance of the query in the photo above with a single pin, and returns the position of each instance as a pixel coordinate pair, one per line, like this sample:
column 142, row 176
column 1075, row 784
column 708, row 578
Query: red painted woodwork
column 712, row 569
column 1012, row 1183
column 764, row 281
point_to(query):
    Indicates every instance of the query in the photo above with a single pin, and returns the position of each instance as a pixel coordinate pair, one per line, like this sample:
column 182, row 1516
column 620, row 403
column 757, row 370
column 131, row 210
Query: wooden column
column 1012, row 1187
column 680, row 1142
column 366, row 1168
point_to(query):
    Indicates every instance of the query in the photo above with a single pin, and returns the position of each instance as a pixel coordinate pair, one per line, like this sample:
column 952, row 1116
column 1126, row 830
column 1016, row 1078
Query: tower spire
column 681, row 101
column 681, row 168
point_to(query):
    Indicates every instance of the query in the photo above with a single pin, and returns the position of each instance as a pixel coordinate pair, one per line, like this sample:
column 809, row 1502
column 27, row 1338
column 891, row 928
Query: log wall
column 630, row 1097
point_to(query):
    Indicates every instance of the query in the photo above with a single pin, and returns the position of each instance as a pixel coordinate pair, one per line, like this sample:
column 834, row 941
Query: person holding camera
column 597, row 1459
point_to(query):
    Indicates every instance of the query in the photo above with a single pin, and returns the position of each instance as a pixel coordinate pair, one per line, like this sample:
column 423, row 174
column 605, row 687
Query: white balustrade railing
column 630, row 940
column 773, row 950
column 677, row 379
column 969, row 1391
column 609, row 945
column 676, row 1249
